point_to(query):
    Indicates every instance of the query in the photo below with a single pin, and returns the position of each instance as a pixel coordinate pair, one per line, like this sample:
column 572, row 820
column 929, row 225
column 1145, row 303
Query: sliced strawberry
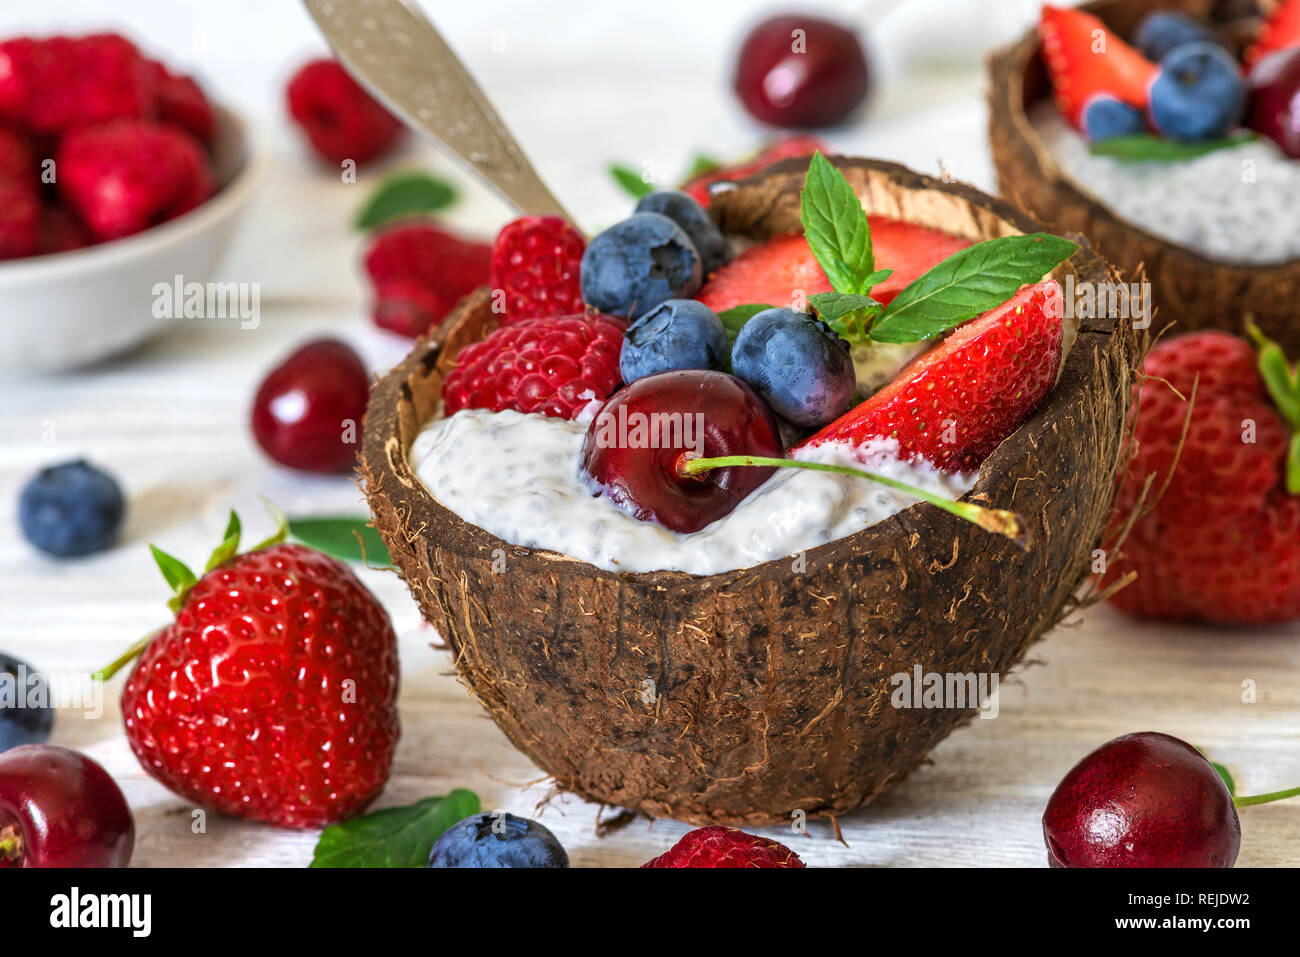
column 785, row 148
column 957, row 402
column 1280, row 30
column 778, row 271
column 1087, row 60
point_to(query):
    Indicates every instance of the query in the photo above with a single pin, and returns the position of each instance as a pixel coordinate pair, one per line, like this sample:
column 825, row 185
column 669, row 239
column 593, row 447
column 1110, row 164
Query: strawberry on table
column 536, row 266
column 1086, row 60
column 272, row 695
column 956, row 403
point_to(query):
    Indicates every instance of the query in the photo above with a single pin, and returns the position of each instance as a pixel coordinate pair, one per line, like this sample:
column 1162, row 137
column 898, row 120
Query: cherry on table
column 801, row 71
column 58, row 808
column 309, row 405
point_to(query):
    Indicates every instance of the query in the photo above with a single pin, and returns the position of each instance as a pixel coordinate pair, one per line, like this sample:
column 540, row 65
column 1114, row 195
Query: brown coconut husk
column 1188, row 288
column 771, row 687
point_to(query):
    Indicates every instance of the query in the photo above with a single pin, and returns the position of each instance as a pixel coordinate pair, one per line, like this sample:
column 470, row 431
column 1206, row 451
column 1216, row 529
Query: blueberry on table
column 71, row 509
column 638, row 263
column 677, row 334
column 1164, row 30
column 22, row 721
column 1106, row 117
column 497, row 840
column 682, row 209
column 797, row 364
column 1198, row 94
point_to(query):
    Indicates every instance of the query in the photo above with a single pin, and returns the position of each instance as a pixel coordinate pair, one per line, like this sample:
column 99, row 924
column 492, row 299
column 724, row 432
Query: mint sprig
column 1145, row 148
column 1283, row 383
column 404, row 194
column 352, row 539
column 734, row 319
column 394, row 836
column 963, row 286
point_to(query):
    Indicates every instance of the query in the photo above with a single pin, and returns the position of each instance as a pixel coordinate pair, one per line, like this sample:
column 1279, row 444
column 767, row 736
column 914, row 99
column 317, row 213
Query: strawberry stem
column 996, row 520
column 124, row 659
column 1254, row 799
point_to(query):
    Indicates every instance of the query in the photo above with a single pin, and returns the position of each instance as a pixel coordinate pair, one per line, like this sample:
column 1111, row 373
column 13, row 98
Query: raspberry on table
column 419, row 272
column 719, row 846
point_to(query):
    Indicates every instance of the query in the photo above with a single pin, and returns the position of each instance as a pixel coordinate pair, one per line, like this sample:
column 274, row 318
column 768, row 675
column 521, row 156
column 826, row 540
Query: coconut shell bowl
column 1188, row 288
column 740, row 698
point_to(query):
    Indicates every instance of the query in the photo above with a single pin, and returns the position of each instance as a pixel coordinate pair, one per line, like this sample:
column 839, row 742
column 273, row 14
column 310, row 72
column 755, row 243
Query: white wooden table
column 169, row 420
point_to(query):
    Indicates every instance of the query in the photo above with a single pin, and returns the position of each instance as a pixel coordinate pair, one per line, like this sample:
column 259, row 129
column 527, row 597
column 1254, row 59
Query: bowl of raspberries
column 117, row 174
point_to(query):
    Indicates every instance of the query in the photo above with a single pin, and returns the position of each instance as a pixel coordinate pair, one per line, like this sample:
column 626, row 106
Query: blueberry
column 25, row 718
column 682, row 209
column 1105, row 117
column 799, row 366
column 497, row 840
column 1198, row 93
column 638, row 263
column 677, row 334
column 1162, row 31
column 71, row 509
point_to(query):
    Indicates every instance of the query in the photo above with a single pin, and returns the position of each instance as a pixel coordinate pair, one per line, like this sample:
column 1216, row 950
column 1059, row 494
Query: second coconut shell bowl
column 771, row 688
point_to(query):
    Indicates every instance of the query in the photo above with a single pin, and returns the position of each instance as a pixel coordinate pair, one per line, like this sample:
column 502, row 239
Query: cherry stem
column 124, row 659
column 996, row 520
column 1269, row 798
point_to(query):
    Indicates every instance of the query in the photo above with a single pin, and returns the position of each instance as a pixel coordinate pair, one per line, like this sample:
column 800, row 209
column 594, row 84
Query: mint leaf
column 836, row 227
column 395, row 836
column 701, row 164
column 836, row 305
column 337, row 535
column 734, row 319
column 404, row 194
column 630, row 180
column 968, row 283
column 1145, row 148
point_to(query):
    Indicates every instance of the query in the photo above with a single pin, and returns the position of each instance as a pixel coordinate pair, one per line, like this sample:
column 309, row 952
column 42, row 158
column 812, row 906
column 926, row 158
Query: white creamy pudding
column 1240, row 204
column 516, row 475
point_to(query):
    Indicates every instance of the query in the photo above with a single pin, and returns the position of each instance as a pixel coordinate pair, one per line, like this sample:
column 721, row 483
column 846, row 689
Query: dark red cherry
column 635, row 442
column 801, row 71
column 58, row 808
column 1273, row 107
column 308, row 410
column 1142, row 800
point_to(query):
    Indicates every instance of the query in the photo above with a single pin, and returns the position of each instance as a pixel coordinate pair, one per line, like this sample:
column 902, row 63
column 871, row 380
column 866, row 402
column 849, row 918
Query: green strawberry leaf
column 1283, row 383
column 968, row 283
column 734, row 319
column 632, row 182
column 345, row 537
column 836, row 227
column 394, row 836
column 404, row 194
column 1143, row 147
column 229, row 546
column 176, row 573
column 281, row 527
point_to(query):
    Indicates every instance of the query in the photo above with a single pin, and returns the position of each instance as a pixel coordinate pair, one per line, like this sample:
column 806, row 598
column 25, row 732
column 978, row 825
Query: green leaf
column 281, row 526
column 337, row 535
column 701, row 164
column 1283, row 383
column 404, row 194
column 395, row 836
column 229, row 546
column 734, row 319
column 836, row 227
column 968, row 283
column 848, row 315
column 176, row 573
column 630, row 180
column 1143, row 147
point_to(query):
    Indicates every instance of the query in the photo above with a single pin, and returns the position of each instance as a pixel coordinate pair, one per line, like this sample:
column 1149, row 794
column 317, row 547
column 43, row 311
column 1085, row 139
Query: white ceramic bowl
column 68, row 309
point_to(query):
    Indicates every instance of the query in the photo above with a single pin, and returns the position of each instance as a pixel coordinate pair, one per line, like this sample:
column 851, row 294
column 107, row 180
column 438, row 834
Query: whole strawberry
column 419, row 272
column 272, row 696
column 341, row 120
column 555, row 366
column 1222, row 543
column 535, row 266
column 127, row 175
column 725, row 847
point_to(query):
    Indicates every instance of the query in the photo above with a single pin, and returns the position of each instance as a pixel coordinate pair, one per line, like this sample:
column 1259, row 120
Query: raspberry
column 725, row 847
column 16, row 160
column 419, row 272
column 179, row 99
column 60, row 231
column 1222, row 544
column 55, row 84
column 535, row 263
column 555, row 366
column 127, row 175
column 342, row 121
column 20, row 218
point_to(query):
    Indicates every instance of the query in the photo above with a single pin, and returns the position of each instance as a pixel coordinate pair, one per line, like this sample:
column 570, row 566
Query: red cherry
column 801, row 71
column 59, row 808
column 308, row 410
column 718, row 410
column 1142, row 800
column 1273, row 109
